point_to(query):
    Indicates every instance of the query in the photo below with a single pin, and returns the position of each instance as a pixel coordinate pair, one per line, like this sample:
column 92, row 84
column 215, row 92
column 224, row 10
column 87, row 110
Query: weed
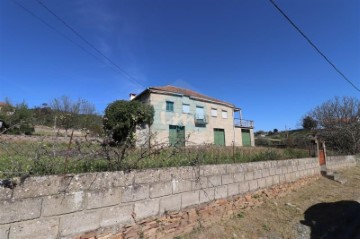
column 240, row 215
column 266, row 227
column 256, row 196
column 46, row 157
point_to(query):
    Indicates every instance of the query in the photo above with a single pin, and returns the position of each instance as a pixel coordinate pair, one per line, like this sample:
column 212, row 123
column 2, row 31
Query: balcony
column 242, row 123
column 201, row 119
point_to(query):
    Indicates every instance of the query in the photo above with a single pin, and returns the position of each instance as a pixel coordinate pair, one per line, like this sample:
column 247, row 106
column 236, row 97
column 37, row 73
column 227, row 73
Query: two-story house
column 185, row 117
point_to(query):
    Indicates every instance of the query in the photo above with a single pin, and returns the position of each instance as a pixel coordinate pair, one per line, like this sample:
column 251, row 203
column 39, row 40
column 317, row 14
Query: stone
column 244, row 187
column 107, row 180
column 4, row 231
column 170, row 203
column 161, row 189
column 227, row 179
column 249, row 176
column 103, row 198
column 233, row 189
column 62, row 204
column 50, row 185
column 147, row 176
column 135, row 193
column 117, row 215
column 214, row 181
column 19, row 210
column 257, row 174
column 190, row 199
column 40, row 228
column 79, row 222
column 207, row 195
column 180, row 185
column 239, row 177
column 199, row 183
column 253, row 185
column 148, row 208
column 221, row 192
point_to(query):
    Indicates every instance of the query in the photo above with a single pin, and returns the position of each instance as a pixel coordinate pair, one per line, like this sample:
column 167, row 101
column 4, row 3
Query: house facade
column 185, row 117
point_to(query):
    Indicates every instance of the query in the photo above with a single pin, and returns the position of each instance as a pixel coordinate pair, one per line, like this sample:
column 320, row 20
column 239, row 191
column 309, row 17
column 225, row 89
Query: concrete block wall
column 339, row 162
column 66, row 206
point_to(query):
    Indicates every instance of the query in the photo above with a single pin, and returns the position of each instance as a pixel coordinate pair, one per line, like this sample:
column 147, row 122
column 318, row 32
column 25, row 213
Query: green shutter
column 170, row 106
column 181, row 136
column 246, row 140
column 219, row 137
column 172, row 135
column 177, row 135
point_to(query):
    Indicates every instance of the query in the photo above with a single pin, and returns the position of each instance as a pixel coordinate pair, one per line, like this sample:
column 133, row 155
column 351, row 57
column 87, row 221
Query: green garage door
column 177, row 135
column 219, row 136
column 245, row 134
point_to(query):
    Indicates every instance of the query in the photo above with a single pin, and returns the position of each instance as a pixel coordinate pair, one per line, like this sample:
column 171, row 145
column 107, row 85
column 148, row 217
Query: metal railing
column 244, row 123
column 201, row 119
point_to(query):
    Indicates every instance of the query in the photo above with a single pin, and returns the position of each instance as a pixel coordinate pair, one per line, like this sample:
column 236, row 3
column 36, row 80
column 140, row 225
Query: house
column 185, row 117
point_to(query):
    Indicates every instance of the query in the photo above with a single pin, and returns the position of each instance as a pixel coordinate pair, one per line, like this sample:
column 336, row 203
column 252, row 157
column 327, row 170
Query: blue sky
column 242, row 51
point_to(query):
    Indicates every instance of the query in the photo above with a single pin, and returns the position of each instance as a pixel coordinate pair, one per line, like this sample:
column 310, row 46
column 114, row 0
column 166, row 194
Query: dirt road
column 321, row 209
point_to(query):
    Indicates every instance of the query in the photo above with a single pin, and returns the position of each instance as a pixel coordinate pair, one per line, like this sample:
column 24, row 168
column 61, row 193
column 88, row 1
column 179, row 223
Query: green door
column 177, row 135
column 246, row 140
column 219, row 136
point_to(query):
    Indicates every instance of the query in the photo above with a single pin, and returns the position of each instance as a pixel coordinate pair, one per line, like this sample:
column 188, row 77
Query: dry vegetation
column 50, row 155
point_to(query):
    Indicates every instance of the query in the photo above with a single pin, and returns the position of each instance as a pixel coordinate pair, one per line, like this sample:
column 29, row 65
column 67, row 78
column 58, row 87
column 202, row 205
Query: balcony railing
column 244, row 123
column 201, row 119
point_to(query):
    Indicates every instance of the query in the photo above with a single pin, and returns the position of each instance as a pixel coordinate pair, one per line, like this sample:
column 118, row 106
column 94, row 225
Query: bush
column 122, row 117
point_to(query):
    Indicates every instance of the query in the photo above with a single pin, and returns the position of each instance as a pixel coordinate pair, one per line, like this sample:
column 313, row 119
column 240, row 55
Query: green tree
column 122, row 117
column 17, row 119
column 44, row 115
column 309, row 123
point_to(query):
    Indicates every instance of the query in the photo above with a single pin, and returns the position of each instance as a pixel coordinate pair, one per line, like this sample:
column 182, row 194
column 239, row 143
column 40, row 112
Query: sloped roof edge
column 169, row 89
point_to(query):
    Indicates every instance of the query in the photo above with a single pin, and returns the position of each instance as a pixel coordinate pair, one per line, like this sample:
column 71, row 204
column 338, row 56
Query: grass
column 45, row 158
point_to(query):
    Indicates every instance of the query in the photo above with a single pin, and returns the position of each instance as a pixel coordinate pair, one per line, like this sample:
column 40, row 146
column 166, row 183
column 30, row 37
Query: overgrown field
column 43, row 157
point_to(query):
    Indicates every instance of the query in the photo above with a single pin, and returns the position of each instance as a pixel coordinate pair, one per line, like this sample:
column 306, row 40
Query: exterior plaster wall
column 238, row 137
column 197, row 135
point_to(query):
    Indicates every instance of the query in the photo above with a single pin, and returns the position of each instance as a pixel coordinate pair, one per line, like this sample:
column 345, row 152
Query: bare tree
column 67, row 111
column 339, row 123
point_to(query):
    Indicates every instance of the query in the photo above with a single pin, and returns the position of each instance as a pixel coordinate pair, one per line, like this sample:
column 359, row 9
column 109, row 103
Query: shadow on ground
column 334, row 220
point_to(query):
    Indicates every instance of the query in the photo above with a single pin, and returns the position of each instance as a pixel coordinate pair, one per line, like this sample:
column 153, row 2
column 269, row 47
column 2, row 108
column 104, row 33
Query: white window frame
column 199, row 112
column 214, row 112
column 188, row 109
column 224, row 114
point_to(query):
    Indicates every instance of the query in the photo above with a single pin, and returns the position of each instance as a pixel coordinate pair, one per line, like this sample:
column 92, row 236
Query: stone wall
column 338, row 162
column 86, row 205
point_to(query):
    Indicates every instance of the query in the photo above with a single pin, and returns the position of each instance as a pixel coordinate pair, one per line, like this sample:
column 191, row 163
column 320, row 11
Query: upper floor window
column 224, row 114
column 170, row 106
column 186, row 108
column 199, row 112
column 214, row 112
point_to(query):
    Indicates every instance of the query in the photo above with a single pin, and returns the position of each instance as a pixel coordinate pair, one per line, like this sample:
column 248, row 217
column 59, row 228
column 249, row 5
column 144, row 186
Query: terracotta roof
column 190, row 93
column 3, row 104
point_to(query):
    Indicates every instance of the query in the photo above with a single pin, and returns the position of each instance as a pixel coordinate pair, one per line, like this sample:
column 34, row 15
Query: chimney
column 132, row 96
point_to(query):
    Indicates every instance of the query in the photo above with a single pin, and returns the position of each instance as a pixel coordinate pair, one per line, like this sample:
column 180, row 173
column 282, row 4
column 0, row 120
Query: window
column 169, row 106
column 199, row 112
column 224, row 114
column 214, row 112
column 186, row 108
